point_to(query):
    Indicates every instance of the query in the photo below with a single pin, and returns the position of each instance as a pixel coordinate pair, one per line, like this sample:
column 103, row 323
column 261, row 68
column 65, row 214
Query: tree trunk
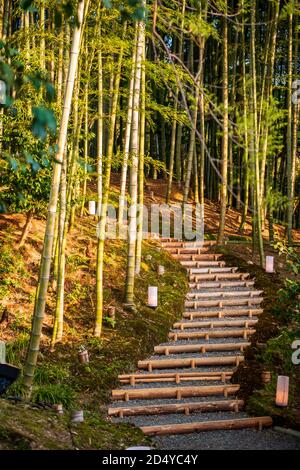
column 26, row 229
column 255, row 143
column 224, row 171
column 289, row 148
column 127, row 141
column 132, row 222
column 40, row 304
column 140, row 217
column 103, row 214
column 57, row 332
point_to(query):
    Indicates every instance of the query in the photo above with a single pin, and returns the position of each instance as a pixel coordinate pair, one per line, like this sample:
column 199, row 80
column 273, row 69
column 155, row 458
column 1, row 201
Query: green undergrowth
column 271, row 348
column 59, row 377
column 27, row 427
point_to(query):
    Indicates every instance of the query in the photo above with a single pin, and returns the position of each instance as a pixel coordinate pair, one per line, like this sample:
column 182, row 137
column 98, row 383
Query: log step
column 178, row 244
column 186, row 428
column 192, row 362
column 187, row 251
column 199, row 264
column 201, row 348
column 216, row 324
column 174, row 392
column 178, row 377
column 224, row 294
column 232, row 302
column 207, row 335
column 220, row 285
column 212, row 271
column 223, row 313
column 201, row 257
column 218, row 276
column 187, row 408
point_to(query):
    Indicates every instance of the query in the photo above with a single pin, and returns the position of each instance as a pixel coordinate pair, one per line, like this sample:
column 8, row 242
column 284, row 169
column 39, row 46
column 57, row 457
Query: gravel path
column 242, row 439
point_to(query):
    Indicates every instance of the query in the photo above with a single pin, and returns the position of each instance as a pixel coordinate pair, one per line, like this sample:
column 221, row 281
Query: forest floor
column 60, row 377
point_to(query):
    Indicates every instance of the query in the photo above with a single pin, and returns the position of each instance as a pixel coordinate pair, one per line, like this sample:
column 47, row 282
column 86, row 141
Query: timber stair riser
column 217, row 270
column 174, row 392
column 186, row 408
column 187, row 245
column 177, row 377
column 224, row 302
column 222, row 313
column 195, row 278
column 213, row 334
column 204, row 264
column 187, row 251
column 223, row 294
column 200, row 348
column 221, row 324
column 187, row 428
column 203, row 257
column 191, row 363
column 219, row 285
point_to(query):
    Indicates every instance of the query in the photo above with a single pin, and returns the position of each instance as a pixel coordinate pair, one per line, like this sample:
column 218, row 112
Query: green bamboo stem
column 39, row 313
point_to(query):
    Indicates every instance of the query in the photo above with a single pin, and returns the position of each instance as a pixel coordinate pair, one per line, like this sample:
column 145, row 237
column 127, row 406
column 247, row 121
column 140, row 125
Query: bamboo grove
column 200, row 93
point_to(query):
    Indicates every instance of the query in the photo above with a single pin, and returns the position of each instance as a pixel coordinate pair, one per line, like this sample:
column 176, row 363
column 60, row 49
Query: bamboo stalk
column 172, row 392
column 221, row 405
column 39, row 311
column 190, row 362
column 207, row 426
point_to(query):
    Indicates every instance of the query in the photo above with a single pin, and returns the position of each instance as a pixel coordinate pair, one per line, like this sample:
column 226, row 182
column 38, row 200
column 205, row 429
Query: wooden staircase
column 190, row 375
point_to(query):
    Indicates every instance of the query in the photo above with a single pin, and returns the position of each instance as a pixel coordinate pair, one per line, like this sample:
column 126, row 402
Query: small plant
column 110, row 321
column 48, row 373
column 78, row 293
column 292, row 257
column 76, row 261
column 288, row 306
column 55, row 393
column 16, row 350
column 278, row 352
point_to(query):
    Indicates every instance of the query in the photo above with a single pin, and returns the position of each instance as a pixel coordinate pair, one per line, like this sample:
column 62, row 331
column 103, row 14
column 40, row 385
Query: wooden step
column 224, row 294
column 218, row 270
column 217, row 276
column 176, row 377
column 186, row 428
column 242, row 333
column 174, row 392
column 187, row 251
column 186, row 408
column 191, row 362
column 220, row 285
column 201, row 257
column 239, row 312
column 225, row 302
column 186, row 245
column 200, row 348
column 217, row 324
column 199, row 264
